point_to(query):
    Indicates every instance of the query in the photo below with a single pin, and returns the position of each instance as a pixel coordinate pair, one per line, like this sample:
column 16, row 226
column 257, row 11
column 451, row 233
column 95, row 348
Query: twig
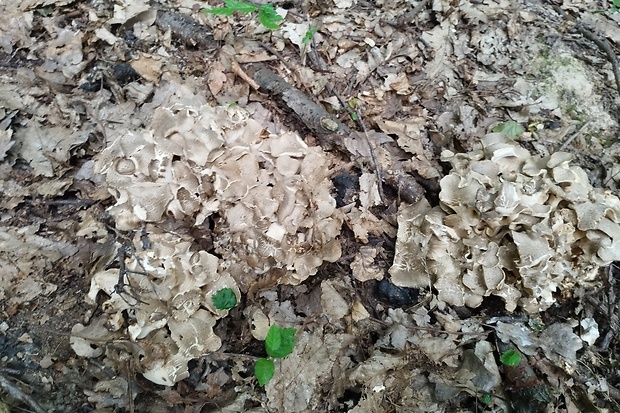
column 432, row 329
column 372, row 157
column 239, row 72
column 288, row 65
column 123, row 252
column 404, row 184
column 360, row 122
column 408, row 17
column 611, row 295
column 186, row 29
column 604, row 45
column 574, row 136
column 18, row 394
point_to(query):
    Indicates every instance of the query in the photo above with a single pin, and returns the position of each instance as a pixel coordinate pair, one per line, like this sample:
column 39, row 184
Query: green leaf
column 231, row 7
column 264, row 370
column 279, row 342
column 219, row 10
column 486, row 398
column 242, row 7
column 308, row 36
column 511, row 129
column 510, row 358
column 224, row 299
column 268, row 17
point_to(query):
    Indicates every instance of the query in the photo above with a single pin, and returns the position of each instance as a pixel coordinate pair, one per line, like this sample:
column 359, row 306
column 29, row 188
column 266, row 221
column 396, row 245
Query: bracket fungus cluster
column 270, row 192
column 166, row 294
column 509, row 224
column 266, row 197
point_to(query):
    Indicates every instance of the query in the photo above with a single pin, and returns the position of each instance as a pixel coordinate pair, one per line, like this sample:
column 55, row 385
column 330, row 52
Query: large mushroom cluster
column 265, row 198
column 270, row 192
column 510, row 224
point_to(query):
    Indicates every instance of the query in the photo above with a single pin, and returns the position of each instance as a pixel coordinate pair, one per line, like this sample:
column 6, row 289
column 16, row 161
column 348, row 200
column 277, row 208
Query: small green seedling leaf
column 268, row 17
column 224, row 299
column 231, row 7
column 309, row 34
column 511, row 129
column 280, row 341
column 486, row 398
column 264, row 370
column 510, row 358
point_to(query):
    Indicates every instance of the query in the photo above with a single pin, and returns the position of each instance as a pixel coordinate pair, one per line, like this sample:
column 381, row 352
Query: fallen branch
column 604, row 45
column 329, row 129
column 18, row 394
column 185, row 29
column 373, row 157
column 323, row 124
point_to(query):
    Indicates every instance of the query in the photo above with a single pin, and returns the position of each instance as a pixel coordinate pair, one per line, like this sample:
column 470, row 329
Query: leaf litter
column 129, row 201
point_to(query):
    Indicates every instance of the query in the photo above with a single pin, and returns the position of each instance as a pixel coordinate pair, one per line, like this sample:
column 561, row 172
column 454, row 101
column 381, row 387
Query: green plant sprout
column 352, row 106
column 310, row 33
column 279, row 343
column 224, row 299
column 267, row 15
column 510, row 358
column 511, row 128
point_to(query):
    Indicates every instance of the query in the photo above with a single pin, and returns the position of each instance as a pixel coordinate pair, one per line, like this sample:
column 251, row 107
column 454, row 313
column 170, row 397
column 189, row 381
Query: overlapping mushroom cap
column 273, row 191
column 509, row 224
column 269, row 199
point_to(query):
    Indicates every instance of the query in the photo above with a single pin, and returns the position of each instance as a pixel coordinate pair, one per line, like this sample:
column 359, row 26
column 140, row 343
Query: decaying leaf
column 363, row 266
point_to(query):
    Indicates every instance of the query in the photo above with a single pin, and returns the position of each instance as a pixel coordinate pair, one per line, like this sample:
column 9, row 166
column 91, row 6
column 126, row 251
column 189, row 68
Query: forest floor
column 424, row 190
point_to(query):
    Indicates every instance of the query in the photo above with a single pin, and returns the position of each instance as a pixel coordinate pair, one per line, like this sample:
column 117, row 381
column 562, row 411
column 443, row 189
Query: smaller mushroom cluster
column 509, row 224
column 165, row 296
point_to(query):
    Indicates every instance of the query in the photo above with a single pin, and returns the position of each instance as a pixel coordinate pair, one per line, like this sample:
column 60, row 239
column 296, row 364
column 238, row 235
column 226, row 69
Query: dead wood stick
column 372, row 157
column 328, row 128
column 184, row 28
column 604, row 45
column 574, row 136
column 319, row 121
column 287, row 64
column 407, row 18
column 20, row 395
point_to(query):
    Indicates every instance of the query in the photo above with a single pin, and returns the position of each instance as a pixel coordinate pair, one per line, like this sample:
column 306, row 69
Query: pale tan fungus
column 510, row 224
column 270, row 196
